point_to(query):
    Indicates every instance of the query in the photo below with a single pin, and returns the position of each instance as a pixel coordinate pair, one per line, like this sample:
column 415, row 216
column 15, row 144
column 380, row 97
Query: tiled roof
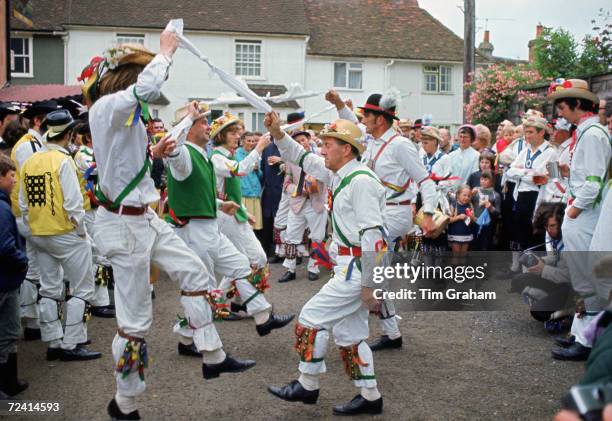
column 33, row 93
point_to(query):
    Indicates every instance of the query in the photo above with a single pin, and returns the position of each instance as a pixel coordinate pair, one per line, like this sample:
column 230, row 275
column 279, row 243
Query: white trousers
column 577, row 236
column 71, row 255
column 220, row 256
column 100, row 297
column 131, row 243
column 282, row 214
column 297, row 224
column 337, row 307
column 242, row 236
column 28, row 292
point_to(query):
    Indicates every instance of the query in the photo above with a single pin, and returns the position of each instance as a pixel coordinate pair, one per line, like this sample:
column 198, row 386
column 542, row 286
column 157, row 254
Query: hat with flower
column 571, row 88
column 344, row 130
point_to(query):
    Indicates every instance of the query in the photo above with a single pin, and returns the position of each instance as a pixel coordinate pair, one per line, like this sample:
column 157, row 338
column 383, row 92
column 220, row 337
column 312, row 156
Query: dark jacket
column 13, row 259
column 272, row 182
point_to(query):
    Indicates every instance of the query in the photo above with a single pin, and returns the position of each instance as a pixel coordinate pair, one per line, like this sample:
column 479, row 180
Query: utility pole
column 469, row 40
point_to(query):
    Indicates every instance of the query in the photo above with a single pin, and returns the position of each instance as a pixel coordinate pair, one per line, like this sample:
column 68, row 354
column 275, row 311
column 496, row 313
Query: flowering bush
column 493, row 90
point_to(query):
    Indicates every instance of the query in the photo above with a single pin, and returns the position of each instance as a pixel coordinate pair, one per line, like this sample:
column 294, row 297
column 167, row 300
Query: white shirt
column 225, row 167
column 120, row 150
column 27, row 149
column 464, row 162
column 556, row 190
column 397, row 164
column 71, row 190
column 528, row 163
column 590, row 157
column 359, row 206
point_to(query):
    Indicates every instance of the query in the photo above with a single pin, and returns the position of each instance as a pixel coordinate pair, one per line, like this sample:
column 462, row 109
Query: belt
column 127, row 210
column 124, row 335
column 404, row 203
column 349, row 251
column 194, row 293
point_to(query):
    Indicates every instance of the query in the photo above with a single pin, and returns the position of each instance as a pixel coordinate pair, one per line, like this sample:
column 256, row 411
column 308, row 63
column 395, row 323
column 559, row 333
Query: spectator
column 486, row 162
column 447, row 145
column 14, row 265
column 485, row 198
column 250, row 184
column 483, row 139
column 459, row 232
column 8, row 112
column 13, row 131
column 272, row 180
column 464, row 161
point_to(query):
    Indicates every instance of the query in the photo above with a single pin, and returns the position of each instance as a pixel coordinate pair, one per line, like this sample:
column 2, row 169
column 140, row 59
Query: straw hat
column 431, row 132
column 221, row 123
column 571, row 88
column 344, row 130
column 182, row 112
column 404, row 122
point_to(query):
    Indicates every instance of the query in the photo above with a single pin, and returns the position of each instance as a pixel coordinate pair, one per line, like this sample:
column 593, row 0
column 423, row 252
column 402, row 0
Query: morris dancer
column 193, row 211
column 128, row 232
column 342, row 304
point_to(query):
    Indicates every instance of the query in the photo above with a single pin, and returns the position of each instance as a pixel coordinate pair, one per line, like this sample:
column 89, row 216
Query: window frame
column 255, row 119
column 130, row 35
column 347, row 75
column 428, row 71
column 30, row 56
column 247, row 41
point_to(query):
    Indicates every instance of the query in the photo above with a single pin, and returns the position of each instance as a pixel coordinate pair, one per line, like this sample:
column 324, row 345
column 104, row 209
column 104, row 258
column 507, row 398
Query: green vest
column 195, row 196
column 233, row 192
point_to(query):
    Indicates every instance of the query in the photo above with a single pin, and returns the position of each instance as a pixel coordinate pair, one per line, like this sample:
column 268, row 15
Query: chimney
column 485, row 46
column 531, row 44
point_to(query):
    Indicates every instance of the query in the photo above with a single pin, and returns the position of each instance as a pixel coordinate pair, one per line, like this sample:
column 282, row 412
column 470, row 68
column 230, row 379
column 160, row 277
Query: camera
column 528, row 259
column 589, row 400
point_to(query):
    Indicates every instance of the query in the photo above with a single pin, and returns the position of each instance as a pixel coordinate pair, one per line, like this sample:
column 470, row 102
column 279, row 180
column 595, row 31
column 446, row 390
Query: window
column 130, row 39
column 21, row 56
column 348, row 75
column 247, row 61
column 437, row 78
column 257, row 122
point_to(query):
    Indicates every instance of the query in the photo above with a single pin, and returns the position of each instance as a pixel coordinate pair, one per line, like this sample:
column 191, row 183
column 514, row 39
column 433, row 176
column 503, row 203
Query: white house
column 355, row 46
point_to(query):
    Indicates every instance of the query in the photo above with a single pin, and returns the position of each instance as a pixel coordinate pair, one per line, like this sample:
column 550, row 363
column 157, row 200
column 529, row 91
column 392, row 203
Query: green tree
column 555, row 53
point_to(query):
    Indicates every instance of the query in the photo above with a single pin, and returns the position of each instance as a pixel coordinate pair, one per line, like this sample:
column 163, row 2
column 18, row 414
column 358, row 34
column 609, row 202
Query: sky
column 513, row 23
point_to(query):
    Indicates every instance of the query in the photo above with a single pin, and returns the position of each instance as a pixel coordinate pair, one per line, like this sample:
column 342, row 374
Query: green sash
column 233, row 191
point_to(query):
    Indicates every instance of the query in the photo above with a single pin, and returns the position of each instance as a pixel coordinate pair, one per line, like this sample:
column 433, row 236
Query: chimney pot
column 486, row 36
column 539, row 30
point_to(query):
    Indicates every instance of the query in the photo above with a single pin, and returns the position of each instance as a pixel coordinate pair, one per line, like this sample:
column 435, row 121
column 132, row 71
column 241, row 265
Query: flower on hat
column 90, row 69
column 559, row 84
column 333, row 128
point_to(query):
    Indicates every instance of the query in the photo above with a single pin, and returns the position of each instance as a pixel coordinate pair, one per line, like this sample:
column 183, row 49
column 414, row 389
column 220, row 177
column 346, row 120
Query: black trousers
column 521, row 221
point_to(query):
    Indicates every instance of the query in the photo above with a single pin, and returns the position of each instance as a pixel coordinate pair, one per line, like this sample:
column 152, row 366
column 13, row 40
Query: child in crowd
column 459, row 230
column 485, row 198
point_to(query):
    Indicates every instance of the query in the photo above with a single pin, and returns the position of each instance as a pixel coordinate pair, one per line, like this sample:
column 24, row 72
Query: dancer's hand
column 369, row 300
column 333, row 97
column 427, row 226
column 273, row 160
column 263, row 142
column 229, row 207
column 252, row 219
column 272, row 123
column 164, row 147
column 168, row 43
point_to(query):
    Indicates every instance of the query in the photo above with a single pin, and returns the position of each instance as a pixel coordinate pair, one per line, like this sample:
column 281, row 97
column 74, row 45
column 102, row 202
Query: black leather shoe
column 87, row 342
column 115, row 413
column 103, row 311
column 565, row 341
column 54, row 354
column 237, row 308
column 229, row 365
column 231, row 317
column 275, row 259
column 189, row 350
column 385, row 343
column 575, row 352
column 288, row 276
column 313, row 276
column 274, row 322
column 295, row 392
column 9, row 379
column 79, row 353
column 359, row 405
column 30, row 334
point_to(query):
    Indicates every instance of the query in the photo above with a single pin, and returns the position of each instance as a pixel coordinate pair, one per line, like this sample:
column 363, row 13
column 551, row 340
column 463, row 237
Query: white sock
column 126, row 404
column 515, row 261
column 213, row 357
column 185, row 340
column 262, row 317
column 56, row 343
column 370, row 393
column 309, row 381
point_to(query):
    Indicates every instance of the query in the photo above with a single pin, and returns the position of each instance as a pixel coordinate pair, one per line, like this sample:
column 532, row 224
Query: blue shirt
column 250, row 184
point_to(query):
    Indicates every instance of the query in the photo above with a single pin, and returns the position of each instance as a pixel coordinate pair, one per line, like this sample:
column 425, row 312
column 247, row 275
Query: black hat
column 418, row 124
column 58, row 123
column 39, row 108
column 8, row 108
column 378, row 104
column 294, row 117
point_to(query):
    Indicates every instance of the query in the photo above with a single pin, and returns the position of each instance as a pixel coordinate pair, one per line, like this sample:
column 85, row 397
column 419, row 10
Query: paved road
column 454, row 366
